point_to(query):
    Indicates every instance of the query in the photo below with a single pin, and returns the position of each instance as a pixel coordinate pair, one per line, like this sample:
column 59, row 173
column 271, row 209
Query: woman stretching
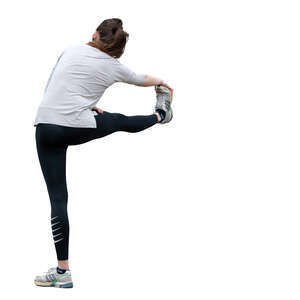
column 68, row 116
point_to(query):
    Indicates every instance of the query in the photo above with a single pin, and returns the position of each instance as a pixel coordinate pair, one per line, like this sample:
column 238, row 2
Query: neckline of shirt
column 105, row 54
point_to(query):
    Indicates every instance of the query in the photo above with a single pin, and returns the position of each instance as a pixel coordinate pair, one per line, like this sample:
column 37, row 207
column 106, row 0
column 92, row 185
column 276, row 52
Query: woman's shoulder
column 85, row 48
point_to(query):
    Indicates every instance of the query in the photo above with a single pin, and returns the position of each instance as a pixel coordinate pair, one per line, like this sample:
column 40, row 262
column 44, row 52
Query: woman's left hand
column 100, row 111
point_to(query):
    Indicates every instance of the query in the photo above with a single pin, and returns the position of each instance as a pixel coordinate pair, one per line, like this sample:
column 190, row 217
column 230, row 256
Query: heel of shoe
column 64, row 285
column 169, row 117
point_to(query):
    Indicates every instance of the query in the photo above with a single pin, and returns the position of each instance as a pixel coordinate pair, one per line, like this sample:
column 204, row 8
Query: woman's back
column 77, row 82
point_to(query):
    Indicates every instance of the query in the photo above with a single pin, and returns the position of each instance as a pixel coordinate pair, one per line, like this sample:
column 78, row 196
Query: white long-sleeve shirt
column 77, row 82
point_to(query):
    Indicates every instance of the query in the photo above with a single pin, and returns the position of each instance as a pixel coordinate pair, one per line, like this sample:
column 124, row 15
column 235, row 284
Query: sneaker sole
column 166, row 90
column 54, row 284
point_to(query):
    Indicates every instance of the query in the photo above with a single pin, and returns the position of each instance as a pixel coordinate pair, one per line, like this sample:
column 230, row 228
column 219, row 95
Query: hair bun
column 112, row 37
column 114, row 30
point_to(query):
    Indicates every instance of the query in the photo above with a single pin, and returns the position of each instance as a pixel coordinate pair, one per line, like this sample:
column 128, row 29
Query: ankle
column 158, row 116
column 162, row 114
column 63, row 264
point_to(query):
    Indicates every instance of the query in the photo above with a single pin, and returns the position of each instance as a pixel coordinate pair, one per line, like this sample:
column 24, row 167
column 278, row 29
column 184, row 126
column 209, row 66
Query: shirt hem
column 51, row 116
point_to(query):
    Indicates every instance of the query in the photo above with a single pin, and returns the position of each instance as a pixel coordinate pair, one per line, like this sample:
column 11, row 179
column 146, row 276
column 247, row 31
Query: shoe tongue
column 52, row 269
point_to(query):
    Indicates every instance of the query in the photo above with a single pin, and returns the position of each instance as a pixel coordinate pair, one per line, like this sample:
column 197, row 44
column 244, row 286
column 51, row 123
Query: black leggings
column 52, row 142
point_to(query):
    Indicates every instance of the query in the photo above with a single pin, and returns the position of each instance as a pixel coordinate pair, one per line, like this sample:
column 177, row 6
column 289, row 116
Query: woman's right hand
column 152, row 81
column 167, row 86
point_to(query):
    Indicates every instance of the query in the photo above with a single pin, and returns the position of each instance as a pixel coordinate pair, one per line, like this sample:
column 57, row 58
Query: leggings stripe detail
column 56, row 229
column 58, row 240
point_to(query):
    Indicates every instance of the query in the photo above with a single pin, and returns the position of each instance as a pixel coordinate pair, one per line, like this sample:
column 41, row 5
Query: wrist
column 161, row 82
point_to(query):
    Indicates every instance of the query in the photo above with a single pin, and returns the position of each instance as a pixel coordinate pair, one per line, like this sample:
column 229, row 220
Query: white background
column 206, row 207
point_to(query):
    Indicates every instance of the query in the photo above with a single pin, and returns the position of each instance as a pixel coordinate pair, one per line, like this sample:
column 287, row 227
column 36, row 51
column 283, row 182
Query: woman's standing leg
column 52, row 157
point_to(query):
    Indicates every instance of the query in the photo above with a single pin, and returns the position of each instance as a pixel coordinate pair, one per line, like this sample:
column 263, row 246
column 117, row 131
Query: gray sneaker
column 54, row 279
column 164, row 100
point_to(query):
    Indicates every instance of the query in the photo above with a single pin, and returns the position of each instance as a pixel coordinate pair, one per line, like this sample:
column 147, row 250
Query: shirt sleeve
column 124, row 74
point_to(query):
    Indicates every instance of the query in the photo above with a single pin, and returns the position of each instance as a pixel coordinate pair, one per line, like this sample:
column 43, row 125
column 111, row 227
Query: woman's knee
column 59, row 202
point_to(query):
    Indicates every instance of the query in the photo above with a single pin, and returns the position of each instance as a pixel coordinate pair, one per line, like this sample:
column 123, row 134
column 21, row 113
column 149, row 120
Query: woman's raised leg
column 108, row 123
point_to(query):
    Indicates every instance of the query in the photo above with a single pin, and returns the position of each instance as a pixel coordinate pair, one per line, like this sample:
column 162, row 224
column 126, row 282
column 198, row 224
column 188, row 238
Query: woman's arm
column 124, row 74
column 150, row 81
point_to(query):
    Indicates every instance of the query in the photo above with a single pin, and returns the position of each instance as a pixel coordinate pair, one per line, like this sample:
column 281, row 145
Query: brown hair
column 112, row 37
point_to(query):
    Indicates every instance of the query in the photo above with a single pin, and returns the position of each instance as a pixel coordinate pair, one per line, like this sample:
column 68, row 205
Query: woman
column 68, row 116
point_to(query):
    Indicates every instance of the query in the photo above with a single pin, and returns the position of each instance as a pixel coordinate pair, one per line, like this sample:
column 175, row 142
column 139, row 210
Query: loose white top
column 78, row 80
